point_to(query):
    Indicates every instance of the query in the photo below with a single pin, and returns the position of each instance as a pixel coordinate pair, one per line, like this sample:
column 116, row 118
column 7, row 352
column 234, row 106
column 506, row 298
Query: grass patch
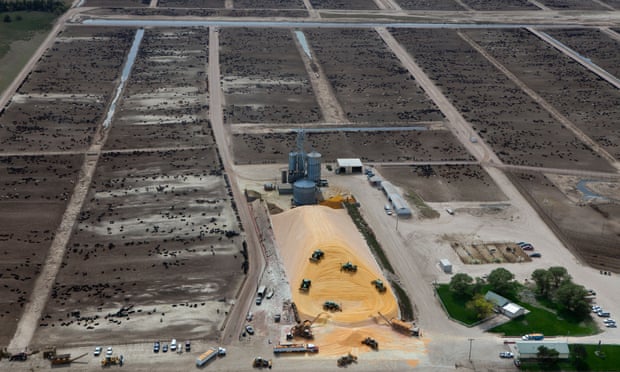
column 610, row 362
column 544, row 321
column 369, row 235
column 404, row 303
column 425, row 210
column 455, row 305
column 19, row 39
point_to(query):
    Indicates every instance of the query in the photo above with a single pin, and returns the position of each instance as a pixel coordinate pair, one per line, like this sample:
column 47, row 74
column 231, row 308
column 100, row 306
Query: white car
column 97, row 351
column 173, row 345
column 109, row 351
column 609, row 321
column 506, row 354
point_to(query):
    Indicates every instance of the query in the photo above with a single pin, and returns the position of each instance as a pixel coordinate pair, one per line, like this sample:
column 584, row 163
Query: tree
column 547, row 356
column 558, row 274
column 501, row 280
column 572, row 297
column 542, row 279
column 480, row 305
column 579, row 355
column 461, row 284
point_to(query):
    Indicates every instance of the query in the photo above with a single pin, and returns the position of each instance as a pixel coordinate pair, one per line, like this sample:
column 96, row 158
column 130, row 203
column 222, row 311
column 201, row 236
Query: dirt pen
column 491, row 252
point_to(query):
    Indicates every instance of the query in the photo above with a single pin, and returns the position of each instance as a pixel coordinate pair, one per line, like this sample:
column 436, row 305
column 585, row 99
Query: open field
column 592, row 229
column 376, row 89
column 34, row 193
column 116, row 3
column 343, row 4
column 199, row 12
column 191, row 3
column 592, row 104
column 519, row 130
column 264, row 79
column 476, row 253
column 500, row 5
column 165, row 107
column 167, row 217
column 573, row 4
column 425, row 145
column 429, row 4
column 592, row 44
column 444, row 183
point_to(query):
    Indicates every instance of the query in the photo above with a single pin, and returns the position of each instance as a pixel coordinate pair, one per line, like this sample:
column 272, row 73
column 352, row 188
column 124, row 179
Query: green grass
column 546, row 322
column 611, row 361
column 31, row 26
column 425, row 210
column 455, row 305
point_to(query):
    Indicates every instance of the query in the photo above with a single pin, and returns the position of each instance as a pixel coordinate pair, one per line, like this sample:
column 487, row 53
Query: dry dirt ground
column 158, row 227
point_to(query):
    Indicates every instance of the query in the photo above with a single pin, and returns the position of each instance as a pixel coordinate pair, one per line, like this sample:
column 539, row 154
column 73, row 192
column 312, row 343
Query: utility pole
column 470, row 341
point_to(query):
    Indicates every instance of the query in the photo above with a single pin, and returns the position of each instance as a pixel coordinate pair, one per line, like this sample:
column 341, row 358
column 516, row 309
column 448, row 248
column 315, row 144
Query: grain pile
column 301, row 231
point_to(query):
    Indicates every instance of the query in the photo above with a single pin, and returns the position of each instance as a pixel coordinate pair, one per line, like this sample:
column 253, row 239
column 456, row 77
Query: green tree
column 558, row 275
column 461, row 285
column 542, row 278
column 547, row 356
column 480, row 305
column 501, row 280
column 572, row 297
column 579, row 355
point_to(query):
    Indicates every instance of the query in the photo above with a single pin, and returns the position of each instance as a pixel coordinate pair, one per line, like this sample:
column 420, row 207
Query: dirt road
column 256, row 260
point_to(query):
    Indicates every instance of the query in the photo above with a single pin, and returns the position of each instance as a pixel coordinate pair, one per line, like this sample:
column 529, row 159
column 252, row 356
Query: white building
column 348, row 166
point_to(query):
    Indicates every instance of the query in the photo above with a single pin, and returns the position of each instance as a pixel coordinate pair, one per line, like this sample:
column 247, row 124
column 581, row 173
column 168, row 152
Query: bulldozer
column 112, row 360
column 305, row 285
column 317, row 255
column 401, row 326
column 346, row 360
column 349, row 267
column 303, row 329
column 371, row 342
column 331, row 306
column 260, row 362
column 378, row 283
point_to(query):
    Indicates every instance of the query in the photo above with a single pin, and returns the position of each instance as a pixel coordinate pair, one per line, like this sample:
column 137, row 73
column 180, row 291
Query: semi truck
column 295, row 348
column 206, row 356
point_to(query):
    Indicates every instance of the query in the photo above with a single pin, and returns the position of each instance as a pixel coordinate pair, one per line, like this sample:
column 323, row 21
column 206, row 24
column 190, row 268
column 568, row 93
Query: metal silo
column 314, row 166
column 292, row 162
column 304, row 192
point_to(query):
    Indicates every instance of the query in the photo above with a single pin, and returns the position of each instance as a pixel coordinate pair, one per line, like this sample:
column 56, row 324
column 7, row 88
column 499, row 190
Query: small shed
column 349, row 166
column 529, row 349
column 445, row 265
column 512, row 310
column 496, row 299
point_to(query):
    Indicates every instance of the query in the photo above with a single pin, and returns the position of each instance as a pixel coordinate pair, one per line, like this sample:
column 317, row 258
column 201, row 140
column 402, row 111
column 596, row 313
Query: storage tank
column 304, row 192
column 292, row 162
column 314, row 166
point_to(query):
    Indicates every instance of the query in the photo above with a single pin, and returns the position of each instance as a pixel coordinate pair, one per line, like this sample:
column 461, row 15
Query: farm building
column 504, row 305
column 348, row 166
column 529, row 349
column 401, row 208
column 445, row 265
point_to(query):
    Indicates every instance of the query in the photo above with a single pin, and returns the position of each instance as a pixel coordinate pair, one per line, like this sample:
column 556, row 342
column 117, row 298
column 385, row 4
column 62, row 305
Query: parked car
column 609, row 321
column 249, row 329
column 506, row 354
column 522, row 243
column 603, row 314
column 156, row 347
column 596, row 308
column 536, row 255
column 259, row 300
column 528, row 247
column 173, row 345
column 611, row 325
column 97, row 351
column 188, row 346
column 164, row 348
column 109, row 351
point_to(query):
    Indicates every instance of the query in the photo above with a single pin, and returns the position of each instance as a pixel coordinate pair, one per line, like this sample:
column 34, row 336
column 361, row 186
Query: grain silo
column 314, row 166
column 304, row 192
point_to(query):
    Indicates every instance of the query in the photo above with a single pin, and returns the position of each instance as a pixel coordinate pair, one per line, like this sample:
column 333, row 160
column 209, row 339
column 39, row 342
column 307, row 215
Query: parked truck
column 533, row 337
column 206, row 356
column 295, row 348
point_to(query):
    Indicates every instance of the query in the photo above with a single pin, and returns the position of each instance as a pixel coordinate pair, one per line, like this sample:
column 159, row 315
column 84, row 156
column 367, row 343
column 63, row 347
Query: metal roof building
column 349, row 165
column 529, row 349
column 401, row 207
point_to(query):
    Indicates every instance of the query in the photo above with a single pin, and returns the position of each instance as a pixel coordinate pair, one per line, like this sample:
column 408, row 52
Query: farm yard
column 132, row 230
